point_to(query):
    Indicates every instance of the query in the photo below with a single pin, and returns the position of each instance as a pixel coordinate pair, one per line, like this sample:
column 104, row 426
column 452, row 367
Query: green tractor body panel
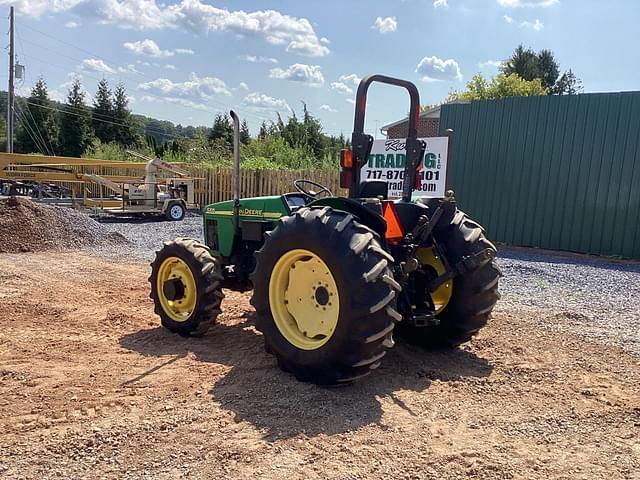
column 256, row 214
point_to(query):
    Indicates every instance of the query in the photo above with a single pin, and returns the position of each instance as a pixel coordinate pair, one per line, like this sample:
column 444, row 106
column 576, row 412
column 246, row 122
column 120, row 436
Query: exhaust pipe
column 236, row 172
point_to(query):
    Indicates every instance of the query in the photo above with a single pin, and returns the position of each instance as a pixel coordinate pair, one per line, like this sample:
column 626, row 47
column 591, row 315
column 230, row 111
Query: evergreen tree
column 103, row 113
column 75, row 123
column 549, row 69
column 245, row 136
column 125, row 129
column 222, row 131
column 524, row 62
column 568, row 84
column 530, row 66
column 264, row 131
column 38, row 129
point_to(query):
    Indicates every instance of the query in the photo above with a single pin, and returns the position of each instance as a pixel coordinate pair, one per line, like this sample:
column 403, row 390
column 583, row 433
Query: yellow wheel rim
column 175, row 269
column 442, row 295
column 304, row 299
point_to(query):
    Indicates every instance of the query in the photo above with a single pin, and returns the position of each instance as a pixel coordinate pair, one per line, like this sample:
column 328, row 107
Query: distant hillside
column 161, row 130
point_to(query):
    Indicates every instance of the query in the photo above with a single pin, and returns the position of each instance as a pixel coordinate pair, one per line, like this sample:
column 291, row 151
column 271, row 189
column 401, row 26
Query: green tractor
column 331, row 279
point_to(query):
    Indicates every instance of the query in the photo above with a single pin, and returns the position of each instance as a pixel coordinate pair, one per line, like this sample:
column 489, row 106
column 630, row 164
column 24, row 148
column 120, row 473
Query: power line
column 37, row 129
column 226, row 106
column 142, row 76
column 31, row 132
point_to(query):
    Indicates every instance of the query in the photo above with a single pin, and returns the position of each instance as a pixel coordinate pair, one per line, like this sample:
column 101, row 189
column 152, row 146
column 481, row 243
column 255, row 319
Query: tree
column 568, row 84
column 102, row 118
column 264, row 131
column 549, row 69
column 524, row 62
column 499, row 87
column 245, row 136
column 542, row 65
column 38, row 129
column 75, row 123
column 222, row 131
column 124, row 129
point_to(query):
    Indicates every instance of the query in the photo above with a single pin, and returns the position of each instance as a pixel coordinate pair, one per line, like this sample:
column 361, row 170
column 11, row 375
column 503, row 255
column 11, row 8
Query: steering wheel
column 310, row 193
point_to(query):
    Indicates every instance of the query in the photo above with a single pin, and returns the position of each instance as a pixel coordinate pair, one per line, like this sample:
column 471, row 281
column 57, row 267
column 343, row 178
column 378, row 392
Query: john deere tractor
column 330, row 280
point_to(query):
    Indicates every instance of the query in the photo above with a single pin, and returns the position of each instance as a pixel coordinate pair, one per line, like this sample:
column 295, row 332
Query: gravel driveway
column 595, row 297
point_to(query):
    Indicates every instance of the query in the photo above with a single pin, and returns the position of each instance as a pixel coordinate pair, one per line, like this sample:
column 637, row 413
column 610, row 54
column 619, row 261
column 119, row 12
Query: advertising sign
column 387, row 161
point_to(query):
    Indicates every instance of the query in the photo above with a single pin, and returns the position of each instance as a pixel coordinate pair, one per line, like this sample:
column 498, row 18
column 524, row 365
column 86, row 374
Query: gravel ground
column 595, row 297
column 148, row 234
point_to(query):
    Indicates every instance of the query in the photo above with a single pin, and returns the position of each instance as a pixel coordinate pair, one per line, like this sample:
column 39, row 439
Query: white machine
column 170, row 198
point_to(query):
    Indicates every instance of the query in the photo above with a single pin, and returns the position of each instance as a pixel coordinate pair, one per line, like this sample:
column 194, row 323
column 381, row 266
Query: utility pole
column 10, row 92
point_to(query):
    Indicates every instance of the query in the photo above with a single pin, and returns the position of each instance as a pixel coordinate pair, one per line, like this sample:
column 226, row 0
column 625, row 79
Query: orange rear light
column 346, row 158
column 394, row 231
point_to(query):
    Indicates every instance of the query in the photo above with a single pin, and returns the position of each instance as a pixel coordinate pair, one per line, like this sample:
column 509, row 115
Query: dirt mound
column 26, row 226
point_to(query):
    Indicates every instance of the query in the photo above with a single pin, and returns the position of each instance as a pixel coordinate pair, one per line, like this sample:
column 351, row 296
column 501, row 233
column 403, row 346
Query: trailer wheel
column 324, row 296
column 186, row 287
column 175, row 211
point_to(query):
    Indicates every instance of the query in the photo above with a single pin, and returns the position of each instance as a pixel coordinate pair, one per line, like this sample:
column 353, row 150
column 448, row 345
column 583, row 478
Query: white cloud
column 243, row 86
column 71, row 24
column 327, row 108
column 385, row 25
column 194, row 88
column 258, row 59
column 528, row 3
column 341, row 88
column 352, row 79
column 440, row 3
column 537, row 25
column 507, row 18
column 261, row 101
column 149, row 48
column 295, row 34
column 308, row 48
column 434, row 69
column 299, row 72
column 96, row 65
column 35, row 8
column 351, row 101
column 130, row 68
column 490, row 63
column 175, row 100
column 170, row 66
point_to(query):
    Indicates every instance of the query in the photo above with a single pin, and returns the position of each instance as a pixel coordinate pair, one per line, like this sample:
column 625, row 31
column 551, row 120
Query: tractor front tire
column 186, row 287
column 324, row 296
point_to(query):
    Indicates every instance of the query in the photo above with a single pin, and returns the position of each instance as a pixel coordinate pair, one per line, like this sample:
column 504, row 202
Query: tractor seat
column 373, row 189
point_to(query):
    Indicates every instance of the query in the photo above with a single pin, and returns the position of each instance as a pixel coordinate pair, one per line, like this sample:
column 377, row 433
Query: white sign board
column 387, row 160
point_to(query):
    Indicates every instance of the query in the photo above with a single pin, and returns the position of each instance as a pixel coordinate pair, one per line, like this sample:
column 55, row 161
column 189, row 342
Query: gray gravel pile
column 596, row 297
column 26, row 226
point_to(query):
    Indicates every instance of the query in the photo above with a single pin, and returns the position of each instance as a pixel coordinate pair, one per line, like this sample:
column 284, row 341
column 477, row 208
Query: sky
column 187, row 60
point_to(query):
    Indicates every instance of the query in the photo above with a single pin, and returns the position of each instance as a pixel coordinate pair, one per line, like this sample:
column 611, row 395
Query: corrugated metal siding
column 558, row 172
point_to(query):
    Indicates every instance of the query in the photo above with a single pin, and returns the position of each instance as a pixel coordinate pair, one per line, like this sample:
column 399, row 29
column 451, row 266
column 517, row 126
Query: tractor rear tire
column 323, row 243
column 190, row 304
column 474, row 294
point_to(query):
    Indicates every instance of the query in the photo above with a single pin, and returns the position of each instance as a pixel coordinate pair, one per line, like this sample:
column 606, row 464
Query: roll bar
column 361, row 143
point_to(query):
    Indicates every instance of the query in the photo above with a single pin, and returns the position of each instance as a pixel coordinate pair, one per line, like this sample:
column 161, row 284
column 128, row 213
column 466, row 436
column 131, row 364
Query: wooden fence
column 216, row 184
column 211, row 184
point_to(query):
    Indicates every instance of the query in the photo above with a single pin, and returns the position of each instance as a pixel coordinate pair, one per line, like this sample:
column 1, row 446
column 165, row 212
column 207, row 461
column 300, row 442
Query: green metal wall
column 558, row 172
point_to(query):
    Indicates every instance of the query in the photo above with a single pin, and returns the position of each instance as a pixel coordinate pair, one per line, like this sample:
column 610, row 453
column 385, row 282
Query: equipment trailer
column 330, row 280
